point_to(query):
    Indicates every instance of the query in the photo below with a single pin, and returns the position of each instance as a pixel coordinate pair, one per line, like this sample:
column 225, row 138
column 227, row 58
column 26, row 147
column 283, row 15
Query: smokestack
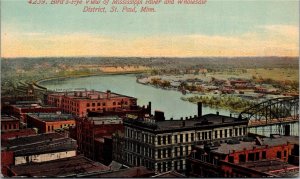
column 199, row 109
column 159, row 115
column 149, row 108
column 217, row 112
column 108, row 93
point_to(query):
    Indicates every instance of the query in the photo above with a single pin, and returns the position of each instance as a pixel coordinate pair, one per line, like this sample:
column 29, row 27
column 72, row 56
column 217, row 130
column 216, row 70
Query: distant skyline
column 228, row 28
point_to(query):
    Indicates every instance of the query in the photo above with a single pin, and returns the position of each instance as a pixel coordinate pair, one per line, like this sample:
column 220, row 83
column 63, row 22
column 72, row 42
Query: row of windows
column 8, row 126
column 189, row 137
column 137, row 161
column 104, row 104
column 178, row 152
column 146, row 138
column 254, row 156
column 145, row 151
column 167, row 166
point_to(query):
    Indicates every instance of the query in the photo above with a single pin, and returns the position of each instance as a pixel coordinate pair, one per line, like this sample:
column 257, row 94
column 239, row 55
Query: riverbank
column 85, row 75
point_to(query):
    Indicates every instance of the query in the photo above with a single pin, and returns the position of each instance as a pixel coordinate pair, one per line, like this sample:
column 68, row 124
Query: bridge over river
column 274, row 116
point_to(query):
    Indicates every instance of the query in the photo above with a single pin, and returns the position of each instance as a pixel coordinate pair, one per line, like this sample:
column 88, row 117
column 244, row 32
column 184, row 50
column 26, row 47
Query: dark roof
column 272, row 167
column 63, row 167
column 140, row 171
column 37, row 144
column 51, row 117
column 169, row 174
column 226, row 148
column 205, row 121
column 8, row 118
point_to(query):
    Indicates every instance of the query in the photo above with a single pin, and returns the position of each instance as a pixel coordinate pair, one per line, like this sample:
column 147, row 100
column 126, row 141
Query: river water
column 164, row 100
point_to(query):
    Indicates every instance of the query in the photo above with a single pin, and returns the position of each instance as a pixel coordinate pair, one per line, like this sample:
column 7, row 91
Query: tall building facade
column 163, row 145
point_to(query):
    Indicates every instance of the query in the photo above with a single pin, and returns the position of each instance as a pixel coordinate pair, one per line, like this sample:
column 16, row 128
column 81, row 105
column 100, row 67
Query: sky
column 218, row 28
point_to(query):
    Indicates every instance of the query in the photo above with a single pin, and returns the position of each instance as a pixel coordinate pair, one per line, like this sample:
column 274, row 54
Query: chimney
column 199, row 109
column 186, row 118
column 171, row 119
column 230, row 115
column 217, row 112
column 159, row 115
column 108, row 93
column 183, row 123
column 149, row 108
column 181, row 118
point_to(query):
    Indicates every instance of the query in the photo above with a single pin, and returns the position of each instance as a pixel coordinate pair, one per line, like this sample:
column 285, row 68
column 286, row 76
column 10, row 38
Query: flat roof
column 33, row 105
column 88, row 95
column 8, row 118
column 49, row 117
column 68, row 167
column 106, row 120
column 140, row 171
column 205, row 121
column 272, row 167
column 37, row 144
column 226, row 148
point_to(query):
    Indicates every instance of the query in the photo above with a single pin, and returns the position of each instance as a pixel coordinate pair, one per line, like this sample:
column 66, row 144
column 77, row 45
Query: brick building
column 94, row 136
column 81, row 102
column 49, row 122
column 20, row 110
column 224, row 159
column 9, row 123
column 36, row 149
column 18, row 133
column 163, row 145
column 66, row 167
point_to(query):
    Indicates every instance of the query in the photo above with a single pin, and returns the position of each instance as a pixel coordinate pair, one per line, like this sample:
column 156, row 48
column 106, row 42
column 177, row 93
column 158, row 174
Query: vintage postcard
column 150, row 88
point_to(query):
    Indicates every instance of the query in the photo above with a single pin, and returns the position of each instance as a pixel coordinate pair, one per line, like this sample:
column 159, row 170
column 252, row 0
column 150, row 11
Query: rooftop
column 8, row 118
column 273, row 167
column 226, row 148
column 57, row 168
column 105, row 120
column 89, row 94
column 205, row 121
column 169, row 174
column 50, row 117
column 31, row 106
column 140, row 171
column 37, row 144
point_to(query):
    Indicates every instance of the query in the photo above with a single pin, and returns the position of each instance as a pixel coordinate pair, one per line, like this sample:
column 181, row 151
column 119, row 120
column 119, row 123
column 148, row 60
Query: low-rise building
column 223, row 159
column 9, row 123
column 94, row 136
column 20, row 110
column 66, row 167
column 36, row 149
column 17, row 133
column 81, row 102
column 49, row 122
column 163, row 145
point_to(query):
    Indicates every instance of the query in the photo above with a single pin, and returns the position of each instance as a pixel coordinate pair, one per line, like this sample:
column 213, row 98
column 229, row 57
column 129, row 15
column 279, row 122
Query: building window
column 48, row 128
column 181, row 138
column 98, row 104
column 209, row 134
column 159, row 167
column 175, row 165
column 87, row 104
column 175, row 152
column 230, row 132
column 169, row 139
column 236, row 132
column 164, row 153
column 225, row 133
column 242, row 158
column 103, row 104
column 164, row 139
column 240, row 130
column 114, row 103
column 175, row 139
column 257, row 156
column 284, row 153
column 186, row 137
column 279, row 154
column 159, row 140
column 186, row 150
column 251, row 157
column 203, row 136
column 93, row 104
column 231, row 159
column 264, row 155
column 169, row 153
column 216, row 134
column 221, row 134
column 181, row 151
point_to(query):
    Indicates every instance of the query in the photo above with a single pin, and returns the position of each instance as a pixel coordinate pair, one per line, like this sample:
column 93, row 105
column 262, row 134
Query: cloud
column 272, row 40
